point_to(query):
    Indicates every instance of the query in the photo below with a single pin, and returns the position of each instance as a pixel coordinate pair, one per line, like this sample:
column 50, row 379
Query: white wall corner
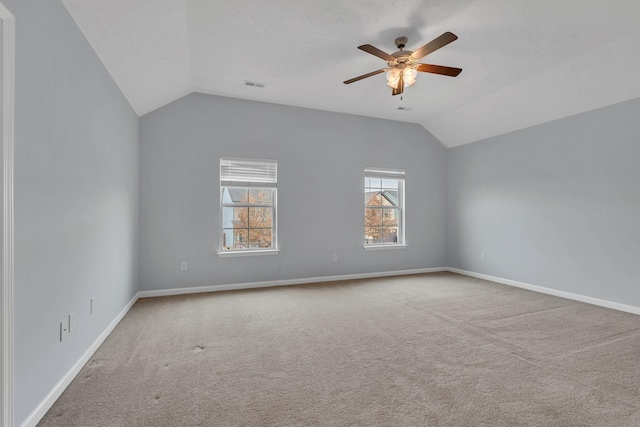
column 434, row 137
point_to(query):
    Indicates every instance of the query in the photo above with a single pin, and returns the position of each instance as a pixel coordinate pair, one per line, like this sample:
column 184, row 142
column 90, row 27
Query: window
column 383, row 207
column 248, row 205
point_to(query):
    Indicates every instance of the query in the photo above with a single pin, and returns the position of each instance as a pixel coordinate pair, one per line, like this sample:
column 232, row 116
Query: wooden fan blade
column 364, row 76
column 439, row 69
column 400, row 88
column 376, row 52
column 434, row 45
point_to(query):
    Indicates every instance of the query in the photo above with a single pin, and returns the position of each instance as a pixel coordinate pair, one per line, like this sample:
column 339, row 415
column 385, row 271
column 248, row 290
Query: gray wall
column 555, row 205
column 76, row 196
column 321, row 159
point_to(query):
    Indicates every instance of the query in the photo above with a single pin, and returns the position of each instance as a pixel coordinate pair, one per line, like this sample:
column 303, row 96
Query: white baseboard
column 34, row 418
column 271, row 283
column 550, row 291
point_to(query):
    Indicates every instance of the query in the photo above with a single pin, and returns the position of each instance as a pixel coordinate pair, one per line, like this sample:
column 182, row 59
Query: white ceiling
column 525, row 61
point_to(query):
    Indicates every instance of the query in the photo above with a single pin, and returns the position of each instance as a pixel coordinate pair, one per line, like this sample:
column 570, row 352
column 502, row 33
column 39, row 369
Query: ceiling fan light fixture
column 392, row 77
column 409, row 76
column 402, row 65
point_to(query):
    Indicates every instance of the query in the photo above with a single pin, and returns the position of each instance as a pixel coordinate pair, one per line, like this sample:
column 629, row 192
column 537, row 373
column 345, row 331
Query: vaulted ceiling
column 525, row 62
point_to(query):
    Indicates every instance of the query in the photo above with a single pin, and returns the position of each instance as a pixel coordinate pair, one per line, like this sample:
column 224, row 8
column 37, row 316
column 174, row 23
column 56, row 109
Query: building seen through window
column 384, row 200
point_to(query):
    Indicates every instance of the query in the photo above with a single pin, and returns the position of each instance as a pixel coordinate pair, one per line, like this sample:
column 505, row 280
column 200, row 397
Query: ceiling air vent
column 401, row 108
column 254, row 84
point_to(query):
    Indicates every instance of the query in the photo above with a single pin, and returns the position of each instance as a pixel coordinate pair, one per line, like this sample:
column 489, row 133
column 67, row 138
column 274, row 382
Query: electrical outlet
column 72, row 321
column 483, row 256
column 64, row 327
column 183, row 266
column 335, row 257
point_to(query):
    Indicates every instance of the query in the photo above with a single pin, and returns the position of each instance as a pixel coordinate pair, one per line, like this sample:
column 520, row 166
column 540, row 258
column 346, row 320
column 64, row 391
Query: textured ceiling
column 525, row 61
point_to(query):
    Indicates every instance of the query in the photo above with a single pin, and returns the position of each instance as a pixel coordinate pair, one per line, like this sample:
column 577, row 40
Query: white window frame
column 387, row 173
column 7, row 113
column 264, row 175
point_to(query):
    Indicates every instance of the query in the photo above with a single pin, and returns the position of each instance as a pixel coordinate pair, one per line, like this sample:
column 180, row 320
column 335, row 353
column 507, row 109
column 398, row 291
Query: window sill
column 230, row 254
column 384, row 247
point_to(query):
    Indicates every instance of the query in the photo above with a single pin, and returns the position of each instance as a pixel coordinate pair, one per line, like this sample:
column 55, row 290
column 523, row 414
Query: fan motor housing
column 403, row 57
column 402, row 54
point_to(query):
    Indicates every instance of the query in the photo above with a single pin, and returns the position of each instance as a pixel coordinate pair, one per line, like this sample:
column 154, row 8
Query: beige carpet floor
column 423, row 350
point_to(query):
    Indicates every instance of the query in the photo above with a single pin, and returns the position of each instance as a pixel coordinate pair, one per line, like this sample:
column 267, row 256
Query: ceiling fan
column 402, row 65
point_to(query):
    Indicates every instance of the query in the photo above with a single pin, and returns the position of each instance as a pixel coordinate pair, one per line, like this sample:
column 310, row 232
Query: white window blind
column 252, row 173
column 372, row 172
